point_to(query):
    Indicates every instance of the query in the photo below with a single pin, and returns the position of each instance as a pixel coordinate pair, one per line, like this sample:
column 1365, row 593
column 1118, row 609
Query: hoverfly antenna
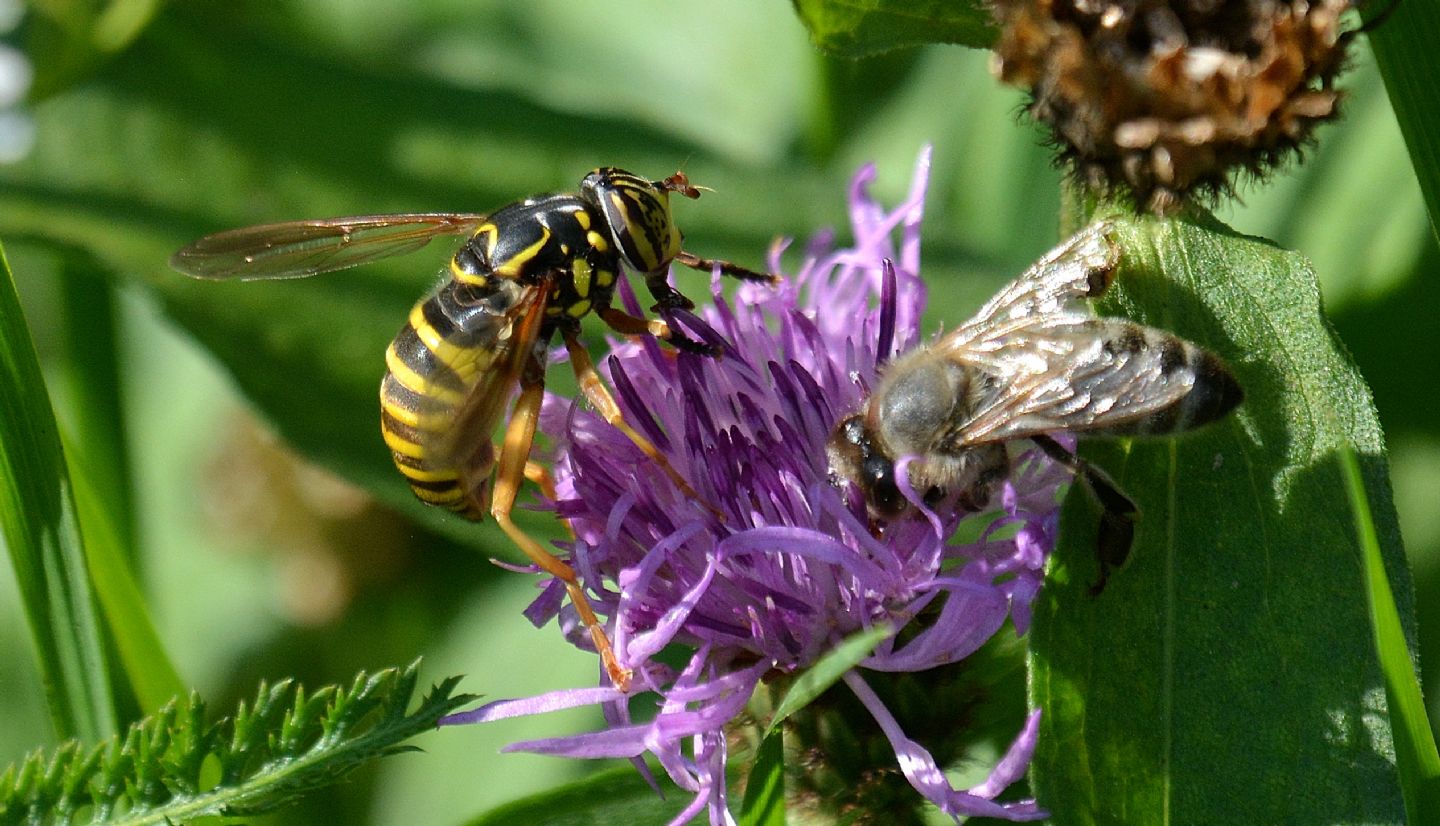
column 680, row 183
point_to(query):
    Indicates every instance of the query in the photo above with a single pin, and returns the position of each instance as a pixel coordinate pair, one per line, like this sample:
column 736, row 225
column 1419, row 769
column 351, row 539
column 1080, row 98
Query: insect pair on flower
column 1031, row 363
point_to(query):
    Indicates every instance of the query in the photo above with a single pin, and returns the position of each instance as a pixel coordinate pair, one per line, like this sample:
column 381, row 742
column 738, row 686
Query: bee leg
column 1118, row 511
column 514, row 455
column 695, row 262
column 626, row 324
column 604, row 404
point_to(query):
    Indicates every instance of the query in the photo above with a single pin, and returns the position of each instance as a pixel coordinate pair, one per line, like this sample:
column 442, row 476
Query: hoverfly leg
column 540, row 477
column 514, row 456
column 604, row 404
column 626, row 324
column 708, row 265
column 666, row 296
column 1119, row 511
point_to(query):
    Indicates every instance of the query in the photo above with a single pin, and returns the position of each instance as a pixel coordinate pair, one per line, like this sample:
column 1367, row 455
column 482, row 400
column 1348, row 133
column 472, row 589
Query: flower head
column 773, row 565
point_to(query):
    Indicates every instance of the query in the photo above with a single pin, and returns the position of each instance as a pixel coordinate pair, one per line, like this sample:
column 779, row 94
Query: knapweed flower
column 773, row 565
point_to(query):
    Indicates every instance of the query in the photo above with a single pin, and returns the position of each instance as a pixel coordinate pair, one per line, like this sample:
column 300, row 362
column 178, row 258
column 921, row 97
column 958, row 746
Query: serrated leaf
column 1229, row 663
column 153, row 774
column 857, row 28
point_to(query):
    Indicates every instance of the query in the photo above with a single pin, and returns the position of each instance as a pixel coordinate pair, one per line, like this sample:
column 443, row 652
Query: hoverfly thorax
column 637, row 212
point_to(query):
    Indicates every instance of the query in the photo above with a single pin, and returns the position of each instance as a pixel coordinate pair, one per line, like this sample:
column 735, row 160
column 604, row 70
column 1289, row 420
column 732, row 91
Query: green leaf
column 152, row 675
column 1229, row 663
column 858, row 28
column 827, row 671
column 271, row 751
column 614, row 796
column 764, row 803
column 1404, row 46
column 1419, row 762
column 40, row 530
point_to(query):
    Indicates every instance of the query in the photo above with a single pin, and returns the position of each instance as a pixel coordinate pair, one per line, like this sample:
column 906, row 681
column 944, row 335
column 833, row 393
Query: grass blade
column 42, row 534
column 1418, row 760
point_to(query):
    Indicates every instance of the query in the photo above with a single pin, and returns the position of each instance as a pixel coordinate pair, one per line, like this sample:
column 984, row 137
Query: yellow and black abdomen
column 445, row 387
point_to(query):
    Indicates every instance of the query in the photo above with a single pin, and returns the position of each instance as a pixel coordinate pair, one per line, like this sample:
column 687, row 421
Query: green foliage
column 1415, row 751
column 764, row 803
column 826, row 671
column 174, row 767
column 619, row 795
column 42, row 534
column 1404, row 45
column 858, row 28
column 1234, row 648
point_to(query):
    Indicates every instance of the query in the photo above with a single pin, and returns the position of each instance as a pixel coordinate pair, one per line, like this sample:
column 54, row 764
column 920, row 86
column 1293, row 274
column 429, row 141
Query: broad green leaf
column 1229, row 663
column 41, row 532
column 857, row 28
column 614, row 796
column 764, row 803
column 1419, row 762
column 827, row 671
column 1404, row 46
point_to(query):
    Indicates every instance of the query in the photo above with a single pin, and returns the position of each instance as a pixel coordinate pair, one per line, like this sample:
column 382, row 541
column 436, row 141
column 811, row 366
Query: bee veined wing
column 1079, row 268
column 1071, row 372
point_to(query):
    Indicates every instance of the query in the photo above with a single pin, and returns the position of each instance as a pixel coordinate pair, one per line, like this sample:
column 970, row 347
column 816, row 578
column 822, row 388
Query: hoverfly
column 1031, row 362
column 525, row 272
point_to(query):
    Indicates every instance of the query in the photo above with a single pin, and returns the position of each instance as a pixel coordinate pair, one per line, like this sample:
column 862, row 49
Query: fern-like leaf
column 272, row 750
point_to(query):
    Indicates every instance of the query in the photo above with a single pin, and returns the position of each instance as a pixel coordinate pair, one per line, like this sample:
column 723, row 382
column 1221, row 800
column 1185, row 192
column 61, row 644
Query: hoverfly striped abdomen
column 451, row 340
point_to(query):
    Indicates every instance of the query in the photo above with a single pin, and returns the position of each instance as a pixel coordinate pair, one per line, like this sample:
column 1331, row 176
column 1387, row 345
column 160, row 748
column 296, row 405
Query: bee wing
column 1081, row 267
column 296, row 249
column 1071, row 372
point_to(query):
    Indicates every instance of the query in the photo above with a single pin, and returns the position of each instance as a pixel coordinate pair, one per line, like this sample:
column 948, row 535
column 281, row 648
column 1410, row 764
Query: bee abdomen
column 1214, row 392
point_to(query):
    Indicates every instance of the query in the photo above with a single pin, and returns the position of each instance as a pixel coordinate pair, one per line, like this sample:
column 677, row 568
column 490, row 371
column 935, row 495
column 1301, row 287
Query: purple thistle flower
column 774, row 565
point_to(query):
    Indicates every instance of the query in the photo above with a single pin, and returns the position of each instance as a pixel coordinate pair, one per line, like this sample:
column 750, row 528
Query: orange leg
column 626, row 324
column 540, row 476
column 604, row 404
column 514, row 455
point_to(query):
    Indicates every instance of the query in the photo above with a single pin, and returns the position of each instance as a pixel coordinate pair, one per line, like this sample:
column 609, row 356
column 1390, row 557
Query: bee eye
column 884, row 494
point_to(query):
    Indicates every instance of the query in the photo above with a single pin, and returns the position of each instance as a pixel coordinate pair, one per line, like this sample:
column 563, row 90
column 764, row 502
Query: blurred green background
column 155, row 125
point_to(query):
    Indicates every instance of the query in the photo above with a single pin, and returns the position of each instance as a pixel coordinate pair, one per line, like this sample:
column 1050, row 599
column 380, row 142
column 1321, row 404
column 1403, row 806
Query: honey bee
column 525, row 273
column 1032, row 362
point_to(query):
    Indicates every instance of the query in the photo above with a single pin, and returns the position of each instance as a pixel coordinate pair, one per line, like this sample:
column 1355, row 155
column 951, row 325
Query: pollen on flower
column 768, row 565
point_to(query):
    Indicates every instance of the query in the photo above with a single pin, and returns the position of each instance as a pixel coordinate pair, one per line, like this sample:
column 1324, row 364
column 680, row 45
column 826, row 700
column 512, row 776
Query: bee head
column 855, row 457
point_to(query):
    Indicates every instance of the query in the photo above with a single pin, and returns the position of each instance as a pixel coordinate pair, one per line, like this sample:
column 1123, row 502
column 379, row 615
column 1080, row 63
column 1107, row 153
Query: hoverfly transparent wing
column 1080, row 268
column 1071, row 372
column 504, row 361
column 296, row 249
